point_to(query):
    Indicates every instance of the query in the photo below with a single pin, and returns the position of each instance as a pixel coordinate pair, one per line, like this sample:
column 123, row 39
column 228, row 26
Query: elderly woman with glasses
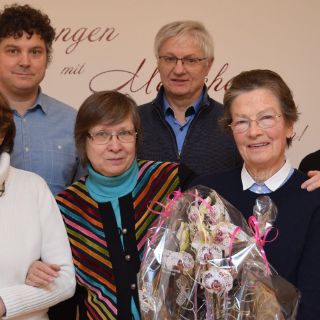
column 260, row 111
column 107, row 212
column 31, row 228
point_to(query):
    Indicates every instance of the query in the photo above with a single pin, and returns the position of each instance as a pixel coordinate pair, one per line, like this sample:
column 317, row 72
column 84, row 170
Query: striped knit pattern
column 94, row 270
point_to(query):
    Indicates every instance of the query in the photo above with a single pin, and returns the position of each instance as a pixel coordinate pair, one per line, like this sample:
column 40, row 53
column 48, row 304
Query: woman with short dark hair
column 108, row 212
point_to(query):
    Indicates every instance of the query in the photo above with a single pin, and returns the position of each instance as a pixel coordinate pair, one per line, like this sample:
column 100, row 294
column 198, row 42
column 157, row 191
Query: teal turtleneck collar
column 104, row 189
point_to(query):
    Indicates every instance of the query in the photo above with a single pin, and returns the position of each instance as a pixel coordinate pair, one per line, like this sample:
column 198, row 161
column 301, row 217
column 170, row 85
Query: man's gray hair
column 191, row 28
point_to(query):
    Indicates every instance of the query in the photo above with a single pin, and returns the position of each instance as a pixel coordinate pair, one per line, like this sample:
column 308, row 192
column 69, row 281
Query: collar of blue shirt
column 194, row 108
column 273, row 183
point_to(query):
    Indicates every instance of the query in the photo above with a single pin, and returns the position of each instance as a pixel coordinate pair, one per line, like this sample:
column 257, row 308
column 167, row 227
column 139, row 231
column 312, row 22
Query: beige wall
column 117, row 37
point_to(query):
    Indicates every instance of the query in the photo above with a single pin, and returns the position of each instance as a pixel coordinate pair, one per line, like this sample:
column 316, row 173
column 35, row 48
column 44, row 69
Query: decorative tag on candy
column 217, row 280
column 177, row 261
column 207, row 253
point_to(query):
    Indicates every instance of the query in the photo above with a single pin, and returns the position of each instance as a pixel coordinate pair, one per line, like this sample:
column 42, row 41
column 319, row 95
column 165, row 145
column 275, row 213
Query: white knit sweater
column 31, row 228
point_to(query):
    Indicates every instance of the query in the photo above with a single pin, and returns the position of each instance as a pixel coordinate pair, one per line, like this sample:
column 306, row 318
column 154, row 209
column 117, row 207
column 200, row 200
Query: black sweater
column 310, row 162
column 295, row 254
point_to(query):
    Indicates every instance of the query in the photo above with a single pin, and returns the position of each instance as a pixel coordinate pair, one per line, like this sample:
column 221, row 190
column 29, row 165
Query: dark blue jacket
column 207, row 146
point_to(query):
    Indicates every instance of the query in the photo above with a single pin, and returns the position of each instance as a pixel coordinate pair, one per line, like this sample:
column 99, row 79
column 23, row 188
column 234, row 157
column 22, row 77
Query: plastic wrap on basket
column 203, row 261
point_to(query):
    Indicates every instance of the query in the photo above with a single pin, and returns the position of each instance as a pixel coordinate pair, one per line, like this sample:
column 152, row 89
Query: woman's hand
column 40, row 274
column 314, row 182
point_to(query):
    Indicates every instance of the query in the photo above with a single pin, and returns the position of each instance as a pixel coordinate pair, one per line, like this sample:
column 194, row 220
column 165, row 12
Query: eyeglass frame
column 111, row 134
column 174, row 62
column 276, row 116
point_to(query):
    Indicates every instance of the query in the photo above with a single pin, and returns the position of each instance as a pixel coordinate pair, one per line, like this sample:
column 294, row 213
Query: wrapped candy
column 203, row 261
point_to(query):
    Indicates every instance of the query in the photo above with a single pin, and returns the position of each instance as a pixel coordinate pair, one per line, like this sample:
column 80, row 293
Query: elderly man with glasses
column 181, row 124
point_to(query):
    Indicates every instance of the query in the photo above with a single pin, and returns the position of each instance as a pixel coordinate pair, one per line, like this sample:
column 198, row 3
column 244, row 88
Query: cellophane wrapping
column 203, row 261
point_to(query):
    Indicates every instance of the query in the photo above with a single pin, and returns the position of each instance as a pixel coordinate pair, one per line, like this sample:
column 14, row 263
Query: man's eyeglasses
column 172, row 61
column 103, row 137
column 263, row 121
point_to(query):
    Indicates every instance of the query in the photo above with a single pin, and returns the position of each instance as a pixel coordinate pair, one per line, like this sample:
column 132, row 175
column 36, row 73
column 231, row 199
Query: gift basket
column 203, row 261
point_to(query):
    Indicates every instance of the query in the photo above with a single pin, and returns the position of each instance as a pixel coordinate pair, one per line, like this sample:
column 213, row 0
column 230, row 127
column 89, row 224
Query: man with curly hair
column 44, row 140
column 44, row 126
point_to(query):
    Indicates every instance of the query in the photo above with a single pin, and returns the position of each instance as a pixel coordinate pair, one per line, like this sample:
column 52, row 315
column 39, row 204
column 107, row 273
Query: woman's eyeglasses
column 103, row 137
column 263, row 121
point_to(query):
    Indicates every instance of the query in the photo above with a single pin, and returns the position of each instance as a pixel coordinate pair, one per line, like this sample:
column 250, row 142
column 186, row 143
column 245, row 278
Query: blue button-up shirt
column 44, row 142
column 180, row 130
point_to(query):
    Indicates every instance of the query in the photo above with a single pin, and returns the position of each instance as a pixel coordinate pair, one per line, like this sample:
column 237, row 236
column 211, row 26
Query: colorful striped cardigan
column 105, row 272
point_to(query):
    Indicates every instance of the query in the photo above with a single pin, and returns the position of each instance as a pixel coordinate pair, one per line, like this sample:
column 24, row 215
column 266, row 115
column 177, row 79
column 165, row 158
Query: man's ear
column 210, row 63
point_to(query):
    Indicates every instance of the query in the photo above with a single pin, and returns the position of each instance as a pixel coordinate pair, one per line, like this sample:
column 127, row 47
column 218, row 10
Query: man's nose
column 179, row 67
column 24, row 59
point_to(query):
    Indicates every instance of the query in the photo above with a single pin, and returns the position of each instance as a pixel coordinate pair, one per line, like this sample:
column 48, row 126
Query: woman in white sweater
column 31, row 228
